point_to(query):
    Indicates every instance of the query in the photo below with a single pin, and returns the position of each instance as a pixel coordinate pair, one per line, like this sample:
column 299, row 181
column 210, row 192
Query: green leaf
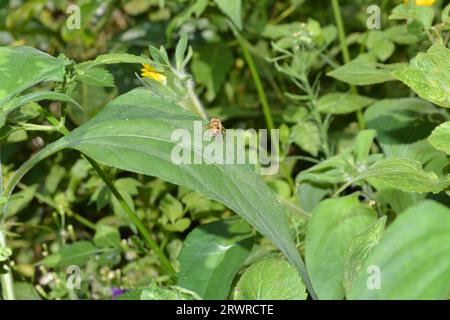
column 212, row 255
column 380, row 45
column 178, row 226
column 307, row 136
column 334, row 223
column 343, row 103
column 412, row 256
column 440, row 137
column 17, row 102
column 171, row 207
column 21, row 200
column 363, row 143
column 154, row 292
column 133, row 132
column 25, row 291
column 445, row 13
column 23, row 67
column 106, row 236
column 429, row 75
column 77, row 253
column 231, row 8
column 111, row 58
column 310, row 195
column 360, row 249
column 423, row 14
column 210, row 67
column 53, row 178
column 97, row 77
column 403, row 125
column 363, row 71
column 397, row 199
column 406, row 175
column 271, row 279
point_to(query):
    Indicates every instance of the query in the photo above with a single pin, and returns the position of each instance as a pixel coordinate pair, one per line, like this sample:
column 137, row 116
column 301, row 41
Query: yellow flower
column 425, row 3
column 150, row 72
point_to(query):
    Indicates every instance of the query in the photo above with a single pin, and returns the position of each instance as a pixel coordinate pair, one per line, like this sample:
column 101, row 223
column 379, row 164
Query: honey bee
column 216, row 127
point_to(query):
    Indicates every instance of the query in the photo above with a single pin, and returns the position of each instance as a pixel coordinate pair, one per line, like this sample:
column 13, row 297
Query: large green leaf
column 440, row 137
column 211, row 257
column 271, row 279
column 334, row 223
column 133, row 132
column 23, row 67
column 412, row 256
column 429, row 75
column 406, row 175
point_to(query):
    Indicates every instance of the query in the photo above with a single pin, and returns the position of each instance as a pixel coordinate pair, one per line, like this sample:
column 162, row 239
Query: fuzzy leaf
column 271, row 279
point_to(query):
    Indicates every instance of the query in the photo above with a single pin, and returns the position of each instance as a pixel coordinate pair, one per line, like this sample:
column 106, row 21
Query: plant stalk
column 6, row 278
column 133, row 216
column 256, row 79
column 345, row 52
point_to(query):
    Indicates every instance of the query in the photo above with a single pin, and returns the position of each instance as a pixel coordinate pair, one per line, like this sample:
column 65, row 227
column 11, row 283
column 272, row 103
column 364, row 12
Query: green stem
column 345, row 52
column 341, row 30
column 84, row 221
column 194, row 103
column 133, row 216
column 6, row 278
column 256, row 79
column 37, row 127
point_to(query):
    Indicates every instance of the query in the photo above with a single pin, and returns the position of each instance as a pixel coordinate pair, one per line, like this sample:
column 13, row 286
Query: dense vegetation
column 92, row 205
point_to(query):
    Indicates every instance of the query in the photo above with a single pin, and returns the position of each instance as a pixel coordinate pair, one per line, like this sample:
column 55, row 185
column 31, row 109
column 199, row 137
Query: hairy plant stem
column 6, row 278
column 345, row 53
column 194, row 103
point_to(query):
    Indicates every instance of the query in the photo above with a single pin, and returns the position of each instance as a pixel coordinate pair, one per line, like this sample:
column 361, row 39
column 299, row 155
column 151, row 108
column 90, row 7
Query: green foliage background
column 87, row 178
